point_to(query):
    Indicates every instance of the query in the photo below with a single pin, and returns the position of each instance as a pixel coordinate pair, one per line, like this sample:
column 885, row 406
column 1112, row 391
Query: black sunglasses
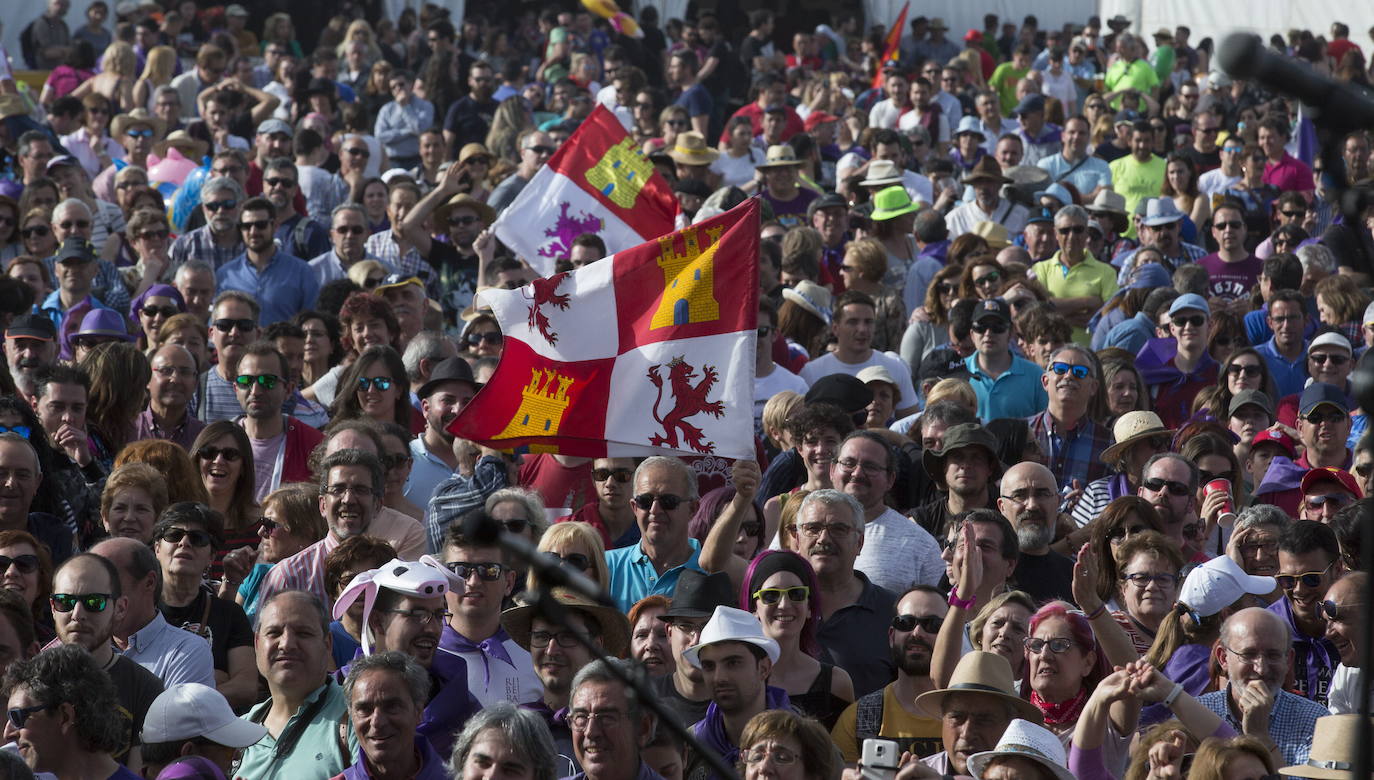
column 164, row 311
column 1196, row 320
column 224, row 326
column 490, row 337
column 929, row 624
column 576, row 560
column 995, row 327
column 66, row 602
column 1156, row 484
column 198, row 538
column 20, row 715
column 489, row 572
column 668, row 501
column 209, row 452
column 621, row 475
column 26, row 564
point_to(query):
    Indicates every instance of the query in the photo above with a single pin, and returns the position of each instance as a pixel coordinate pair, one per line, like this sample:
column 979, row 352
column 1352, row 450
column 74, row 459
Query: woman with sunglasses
column 928, row 327
column 482, row 336
column 982, row 278
column 134, row 496
column 185, row 538
column 291, row 521
column 35, row 231
column 1243, row 369
column 156, row 305
column 365, row 320
column 521, row 513
column 224, row 457
column 578, row 545
column 367, row 274
column 1215, row 457
column 27, row 573
column 781, row 590
column 375, row 388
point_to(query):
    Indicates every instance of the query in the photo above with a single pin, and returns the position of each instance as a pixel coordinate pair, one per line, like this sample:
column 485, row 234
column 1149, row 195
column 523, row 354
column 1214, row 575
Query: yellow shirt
column 1089, row 277
column 917, row 734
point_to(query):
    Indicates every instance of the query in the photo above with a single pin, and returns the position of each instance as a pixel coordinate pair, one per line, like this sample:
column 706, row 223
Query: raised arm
column 1116, row 644
column 966, row 577
column 413, row 226
column 717, row 552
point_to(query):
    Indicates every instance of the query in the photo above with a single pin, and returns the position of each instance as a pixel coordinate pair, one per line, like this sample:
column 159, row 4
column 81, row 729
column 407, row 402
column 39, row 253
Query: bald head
column 1013, row 254
column 1029, row 471
column 1256, row 623
column 1030, row 500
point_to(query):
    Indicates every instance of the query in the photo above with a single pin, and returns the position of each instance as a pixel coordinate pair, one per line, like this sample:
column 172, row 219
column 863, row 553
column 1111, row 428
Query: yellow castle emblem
column 621, row 174
column 689, row 290
column 543, row 402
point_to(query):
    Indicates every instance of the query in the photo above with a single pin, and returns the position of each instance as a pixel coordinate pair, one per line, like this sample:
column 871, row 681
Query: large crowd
column 1060, row 471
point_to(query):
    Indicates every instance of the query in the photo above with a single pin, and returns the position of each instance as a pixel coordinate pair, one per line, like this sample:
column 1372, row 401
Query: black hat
column 75, row 248
column 942, row 363
column 992, row 307
column 31, row 326
column 830, row 200
column 697, row 595
column 454, row 369
column 319, row 86
column 846, row 392
column 695, row 187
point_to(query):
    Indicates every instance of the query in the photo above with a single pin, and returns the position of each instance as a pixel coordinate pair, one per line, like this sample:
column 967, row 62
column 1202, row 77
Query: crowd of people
column 1061, row 470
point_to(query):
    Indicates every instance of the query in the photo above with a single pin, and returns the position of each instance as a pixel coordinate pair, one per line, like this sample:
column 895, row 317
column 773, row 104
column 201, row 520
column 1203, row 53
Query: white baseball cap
column 190, row 710
column 1219, row 583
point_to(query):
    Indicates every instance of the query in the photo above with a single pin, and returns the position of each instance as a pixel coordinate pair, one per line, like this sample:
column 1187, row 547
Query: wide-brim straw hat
column 983, row 673
column 1133, row 427
column 986, row 169
column 691, row 149
column 485, row 212
column 139, row 116
column 190, row 147
column 1334, row 743
column 780, row 156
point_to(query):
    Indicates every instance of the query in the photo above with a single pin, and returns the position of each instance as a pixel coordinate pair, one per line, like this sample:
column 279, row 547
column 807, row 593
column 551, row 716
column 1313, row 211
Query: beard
column 1031, row 532
column 912, row 666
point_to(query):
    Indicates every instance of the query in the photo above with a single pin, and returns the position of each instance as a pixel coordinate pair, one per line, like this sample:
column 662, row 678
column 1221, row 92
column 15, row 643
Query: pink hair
column 1083, row 636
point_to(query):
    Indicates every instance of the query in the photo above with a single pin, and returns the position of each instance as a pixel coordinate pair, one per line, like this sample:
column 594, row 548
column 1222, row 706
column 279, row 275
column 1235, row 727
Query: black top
column 818, row 702
column 686, row 710
column 226, row 626
column 136, row 688
column 854, row 638
column 1045, row 577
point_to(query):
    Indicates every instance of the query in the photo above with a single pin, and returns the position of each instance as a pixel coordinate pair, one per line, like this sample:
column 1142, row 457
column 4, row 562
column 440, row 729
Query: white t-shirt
column 765, row 387
column 1060, row 87
column 737, row 171
column 830, row 364
column 1344, row 697
column 898, row 553
column 1215, row 182
column 910, row 120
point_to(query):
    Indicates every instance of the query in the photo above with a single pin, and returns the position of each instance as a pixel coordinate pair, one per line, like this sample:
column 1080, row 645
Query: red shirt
column 559, row 485
column 755, row 114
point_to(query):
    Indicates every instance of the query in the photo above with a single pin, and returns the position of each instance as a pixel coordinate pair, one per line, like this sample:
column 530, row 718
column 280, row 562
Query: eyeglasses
column 1308, row 579
column 36, row 231
column 780, row 755
column 669, row 502
column 277, row 181
column 339, row 491
column 945, row 288
column 621, row 475
column 260, row 224
column 488, row 572
column 144, row 133
column 1142, row 580
column 1266, row 657
column 1329, row 418
column 929, row 623
column 1078, row 371
column 770, row 596
column 424, row 616
column 1233, row 224
column 209, row 452
column 1072, row 230
column 220, row 205
column 79, row 224
column 987, row 279
column 581, row 719
column 20, row 715
column 541, row 149
column 995, row 326
column 866, row 466
column 576, row 560
column 490, row 337
column 1346, row 614
column 1156, row 485
column 174, row 535
column 360, row 152
column 266, row 381
column 1236, row 369
column 814, row 530
column 1293, row 214
column 66, row 602
column 26, row 564
column 380, row 383
column 1024, row 495
column 1058, row 645
column 563, row 638
column 1322, row 358
column 1196, row 321
column 350, row 230
column 160, row 311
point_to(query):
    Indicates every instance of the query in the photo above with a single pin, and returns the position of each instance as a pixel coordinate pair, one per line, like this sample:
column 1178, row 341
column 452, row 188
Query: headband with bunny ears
column 425, row 578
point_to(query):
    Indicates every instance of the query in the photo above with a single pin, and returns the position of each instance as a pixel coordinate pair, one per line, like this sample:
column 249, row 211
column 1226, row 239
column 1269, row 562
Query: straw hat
column 779, row 156
column 691, row 149
column 882, row 173
column 995, row 233
column 983, row 673
column 1334, row 742
column 615, row 627
column 139, row 116
column 810, row 296
column 1130, row 428
column 471, row 150
column 1113, row 204
column 191, row 148
column 485, row 212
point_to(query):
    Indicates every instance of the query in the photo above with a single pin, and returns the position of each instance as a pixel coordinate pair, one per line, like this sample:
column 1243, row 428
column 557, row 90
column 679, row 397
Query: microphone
column 485, row 530
column 1344, row 105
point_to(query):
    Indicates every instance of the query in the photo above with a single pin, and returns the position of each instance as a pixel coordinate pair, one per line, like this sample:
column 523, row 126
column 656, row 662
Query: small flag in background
column 892, row 50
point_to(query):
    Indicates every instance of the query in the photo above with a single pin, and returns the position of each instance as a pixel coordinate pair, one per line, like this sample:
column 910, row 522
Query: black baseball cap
column 31, row 326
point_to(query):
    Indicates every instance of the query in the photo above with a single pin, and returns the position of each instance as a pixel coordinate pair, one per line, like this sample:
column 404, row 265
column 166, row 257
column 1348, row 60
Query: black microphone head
column 480, row 528
column 1240, row 53
column 1362, row 380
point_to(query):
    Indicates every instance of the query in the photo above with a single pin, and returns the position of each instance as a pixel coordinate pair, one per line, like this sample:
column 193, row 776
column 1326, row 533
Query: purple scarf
column 711, row 729
column 488, row 648
column 431, row 766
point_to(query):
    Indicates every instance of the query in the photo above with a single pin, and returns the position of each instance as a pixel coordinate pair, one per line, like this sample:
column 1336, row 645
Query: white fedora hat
column 729, row 624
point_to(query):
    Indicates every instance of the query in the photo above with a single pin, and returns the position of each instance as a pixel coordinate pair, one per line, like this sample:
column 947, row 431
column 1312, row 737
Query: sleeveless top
column 818, row 702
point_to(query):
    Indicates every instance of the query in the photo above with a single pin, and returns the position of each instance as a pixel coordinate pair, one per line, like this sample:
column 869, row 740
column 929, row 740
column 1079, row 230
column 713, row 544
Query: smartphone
column 879, row 759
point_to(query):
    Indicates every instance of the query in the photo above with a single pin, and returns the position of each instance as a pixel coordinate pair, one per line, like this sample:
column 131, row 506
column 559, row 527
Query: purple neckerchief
column 1118, row 486
column 711, row 729
column 558, row 717
column 967, row 164
column 431, row 766
column 1315, row 659
column 1156, row 363
column 937, row 251
column 491, row 647
column 1283, row 474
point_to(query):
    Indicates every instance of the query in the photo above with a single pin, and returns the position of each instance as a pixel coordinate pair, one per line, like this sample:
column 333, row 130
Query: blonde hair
column 975, row 626
column 572, row 532
column 1214, row 754
column 952, row 389
column 787, row 520
column 119, row 59
column 357, row 273
column 159, row 65
column 134, row 475
column 870, row 256
column 777, row 410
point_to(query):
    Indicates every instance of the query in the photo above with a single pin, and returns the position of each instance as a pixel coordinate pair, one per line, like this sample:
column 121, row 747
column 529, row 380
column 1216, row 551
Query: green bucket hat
column 893, row 202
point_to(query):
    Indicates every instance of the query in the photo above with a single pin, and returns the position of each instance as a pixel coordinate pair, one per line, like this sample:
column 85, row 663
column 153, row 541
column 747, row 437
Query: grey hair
column 1083, row 351
column 221, row 184
column 1317, row 256
column 601, row 671
column 425, row 345
column 67, row 674
column 72, row 203
column 526, row 732
column 415, row 676
column 195, row 265
column 529, row 500
column 353, row 458
column 354, row 207
column 1072, row 211
column 684, row 471
column 833, row 498
column 14, row 438
column 1261, row 514
column 132, row 169
column 281, row 164
column 165, row 90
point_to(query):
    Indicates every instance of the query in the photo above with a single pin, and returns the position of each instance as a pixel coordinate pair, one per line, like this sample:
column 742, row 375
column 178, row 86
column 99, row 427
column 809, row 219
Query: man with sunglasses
column 1330, row 360
column 1343, row 610
column 1169, row 482
column 497, row 668
column 218, row 241
column 1324, row 427
column 1309, row 562
column 75, row 268
column 1007, row 385
column 262, row 383
column 233, row 326
column 890, row 712
column 1325, row 492
column 1065, row 431
column 1232, row 268
column 1078, row 282
column 348, row 232
column 1175, row 379
column 86, row 604
column 536, row 147
column 665, row 498
column 282, row 284
column 612, row 512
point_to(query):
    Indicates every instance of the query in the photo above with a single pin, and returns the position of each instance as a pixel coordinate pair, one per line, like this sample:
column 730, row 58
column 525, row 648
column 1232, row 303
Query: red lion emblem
column 688, row 400
column 546, row 291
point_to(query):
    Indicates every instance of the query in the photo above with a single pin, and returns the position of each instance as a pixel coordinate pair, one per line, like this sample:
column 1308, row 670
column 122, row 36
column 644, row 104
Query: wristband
column 1095, row 614
column 955, row 601
column 1173, row 695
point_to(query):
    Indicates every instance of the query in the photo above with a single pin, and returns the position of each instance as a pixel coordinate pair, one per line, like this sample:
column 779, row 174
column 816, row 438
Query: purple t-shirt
column 265, row 453
column 1231, row 280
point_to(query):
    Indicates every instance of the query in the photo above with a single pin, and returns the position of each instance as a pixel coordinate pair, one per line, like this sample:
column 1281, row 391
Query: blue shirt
column 288, row 284
column 633, row 575
column 1291, row 721
column 1093, row 173
column 1131, row 334
column 1017, row 392
column 1290, row 377
column 52, row 306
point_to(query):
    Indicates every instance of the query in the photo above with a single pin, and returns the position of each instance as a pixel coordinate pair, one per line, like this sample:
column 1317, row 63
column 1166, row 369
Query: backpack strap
column 868, row 716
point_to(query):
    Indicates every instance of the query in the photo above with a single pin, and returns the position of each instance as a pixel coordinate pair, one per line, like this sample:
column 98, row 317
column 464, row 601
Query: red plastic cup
column 1228, row 511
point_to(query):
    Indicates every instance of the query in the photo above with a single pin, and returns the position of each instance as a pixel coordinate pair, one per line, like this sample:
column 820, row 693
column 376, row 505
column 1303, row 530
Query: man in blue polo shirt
column 1006, row 385
column 665, row 498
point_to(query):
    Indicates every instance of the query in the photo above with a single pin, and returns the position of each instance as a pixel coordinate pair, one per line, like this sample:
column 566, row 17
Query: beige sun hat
column 1130, row 428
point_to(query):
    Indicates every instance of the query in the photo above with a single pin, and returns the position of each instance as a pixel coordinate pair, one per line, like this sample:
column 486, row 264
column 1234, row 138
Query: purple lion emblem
column 566, row 229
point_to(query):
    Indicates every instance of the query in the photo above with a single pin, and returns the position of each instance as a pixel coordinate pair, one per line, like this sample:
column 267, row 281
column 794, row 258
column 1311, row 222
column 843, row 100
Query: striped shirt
column 217, row 399
column 199, row 244
column 1189, row 253
column 383, row 246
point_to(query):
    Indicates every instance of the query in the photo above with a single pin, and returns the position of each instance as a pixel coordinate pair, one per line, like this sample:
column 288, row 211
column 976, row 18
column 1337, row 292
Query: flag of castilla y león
column 597, row 182
column 648, row 351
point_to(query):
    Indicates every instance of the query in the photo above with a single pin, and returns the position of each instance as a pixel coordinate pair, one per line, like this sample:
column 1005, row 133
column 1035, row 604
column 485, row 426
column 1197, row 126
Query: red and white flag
column 648, row 351
column 597, row 182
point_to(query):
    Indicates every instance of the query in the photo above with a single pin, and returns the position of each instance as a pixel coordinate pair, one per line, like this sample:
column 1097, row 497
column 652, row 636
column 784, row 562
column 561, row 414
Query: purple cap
column 191, row 768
